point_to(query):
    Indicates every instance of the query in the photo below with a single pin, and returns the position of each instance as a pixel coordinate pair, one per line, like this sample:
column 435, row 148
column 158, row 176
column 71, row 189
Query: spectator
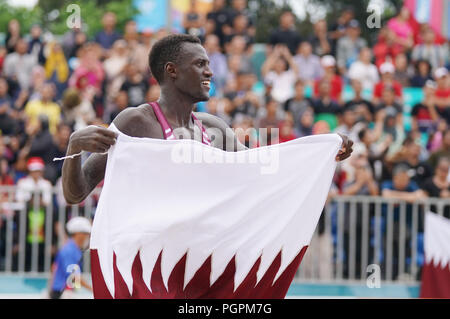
column 68, row 259
column 387, row 48
column 438, row 185
column 286, row 33
column 35, row 45
column 280, row 74
column 424, row 114
column 308, row 63
column 120, row 104
column 135, row 85
column 349, row 46
column 273, row 115
column 136, row 51
column 41, row 145
column 364, row 108
column 35, row 192
column 348, row 125
column 72, row 41
column 77, row 108
column 238, row 47
column 325, row 103
column 59, row 149
column 239, row 7
column 339, row 28
column 443, row 151
column 433, row 53
column 115, row 67
column 401, row 186
column 442, row 93
column 108, row 35
column 19, row 64
column 240, row 28
column 12, row 35
column 402, row 71
column 89, row 72
column 409, row 155
column 334, row 81
column 243, row 100
column 243, row 128
column 56, row 68
column 402, row 30
column 389, row 104
column 7, row 122
column 298, row 104
column 286, row 129
column 359, row 176
column 320, row 41
column 363, row 70
column 45, row 106
column 306, row 123
column 422, row 74
column 221, row 17
column 193, row 22
column 387, row 71
column 217, row 61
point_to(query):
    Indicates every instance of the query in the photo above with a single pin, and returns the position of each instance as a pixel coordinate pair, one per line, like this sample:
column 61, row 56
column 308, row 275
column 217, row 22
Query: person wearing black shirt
column 135, row 85
column 286, row 33
column 221, row 17
column 438, row 185
column 364, row 109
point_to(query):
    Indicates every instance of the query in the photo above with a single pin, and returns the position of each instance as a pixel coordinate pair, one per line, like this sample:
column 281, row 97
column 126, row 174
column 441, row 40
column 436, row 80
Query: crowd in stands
column 331, row 81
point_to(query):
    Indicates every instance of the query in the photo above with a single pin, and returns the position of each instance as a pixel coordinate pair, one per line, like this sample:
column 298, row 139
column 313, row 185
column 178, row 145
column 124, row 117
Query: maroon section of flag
column 198, row 287
column 435, row 281
column 436, row 271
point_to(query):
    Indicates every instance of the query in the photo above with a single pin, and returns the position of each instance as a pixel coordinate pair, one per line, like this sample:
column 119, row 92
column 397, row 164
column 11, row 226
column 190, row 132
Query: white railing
column 359, row 236
column 356, row 236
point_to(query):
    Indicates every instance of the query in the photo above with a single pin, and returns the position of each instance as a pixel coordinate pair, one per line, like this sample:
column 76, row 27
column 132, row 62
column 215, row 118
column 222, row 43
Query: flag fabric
column 436, row 270
column 180, row 219
column 434, row 12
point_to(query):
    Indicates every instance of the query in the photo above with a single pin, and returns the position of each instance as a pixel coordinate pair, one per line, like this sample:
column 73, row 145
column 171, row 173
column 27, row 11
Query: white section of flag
column 437, row 240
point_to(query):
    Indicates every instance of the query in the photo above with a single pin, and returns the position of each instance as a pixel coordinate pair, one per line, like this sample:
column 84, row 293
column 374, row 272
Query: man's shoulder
column 133, row 120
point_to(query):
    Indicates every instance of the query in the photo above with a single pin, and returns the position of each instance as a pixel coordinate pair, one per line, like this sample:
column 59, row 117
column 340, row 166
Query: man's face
column 401, row 180
column 193, row 72
column 287, row 20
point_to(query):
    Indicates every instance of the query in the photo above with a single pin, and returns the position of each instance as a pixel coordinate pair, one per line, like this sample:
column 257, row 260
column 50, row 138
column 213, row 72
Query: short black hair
column 166, row 50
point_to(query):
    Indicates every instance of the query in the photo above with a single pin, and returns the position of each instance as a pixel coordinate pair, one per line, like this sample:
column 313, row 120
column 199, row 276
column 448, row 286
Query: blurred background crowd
column 391, row 96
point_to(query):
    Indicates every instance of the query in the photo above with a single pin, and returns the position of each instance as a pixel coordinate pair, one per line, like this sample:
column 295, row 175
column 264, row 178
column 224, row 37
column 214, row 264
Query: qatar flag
column 436, row 271
column 180, row 219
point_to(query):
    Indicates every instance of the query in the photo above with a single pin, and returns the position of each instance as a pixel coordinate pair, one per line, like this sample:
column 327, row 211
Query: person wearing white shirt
column 280, row 74
column 364, row 71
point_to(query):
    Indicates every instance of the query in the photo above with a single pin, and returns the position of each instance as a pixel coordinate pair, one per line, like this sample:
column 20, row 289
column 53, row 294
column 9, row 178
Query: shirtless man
column 181, row 66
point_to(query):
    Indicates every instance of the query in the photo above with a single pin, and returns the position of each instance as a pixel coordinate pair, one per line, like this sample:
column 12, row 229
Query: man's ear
column 171, row 70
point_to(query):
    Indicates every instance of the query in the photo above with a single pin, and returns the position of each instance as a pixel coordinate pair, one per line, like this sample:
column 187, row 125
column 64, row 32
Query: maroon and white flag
column 179, row 219
column 436, row 271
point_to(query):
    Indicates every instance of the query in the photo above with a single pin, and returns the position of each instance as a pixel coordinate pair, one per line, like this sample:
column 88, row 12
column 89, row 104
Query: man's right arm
column 79, row 181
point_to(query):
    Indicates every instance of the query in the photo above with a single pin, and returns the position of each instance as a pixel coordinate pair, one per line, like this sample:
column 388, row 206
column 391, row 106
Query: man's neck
column 177, row 108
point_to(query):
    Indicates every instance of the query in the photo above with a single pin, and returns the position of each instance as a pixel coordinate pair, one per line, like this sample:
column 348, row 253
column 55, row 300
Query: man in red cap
column 27, row 187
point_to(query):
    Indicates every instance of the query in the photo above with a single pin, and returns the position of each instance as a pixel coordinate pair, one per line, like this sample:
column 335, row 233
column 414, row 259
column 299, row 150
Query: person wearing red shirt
column 443, row 87
column 387, row 71
column 329, row 65
column 386, row 48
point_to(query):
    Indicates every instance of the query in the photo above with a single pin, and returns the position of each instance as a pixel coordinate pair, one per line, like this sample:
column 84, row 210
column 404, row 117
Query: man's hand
column 346, row 148
column 94, row 139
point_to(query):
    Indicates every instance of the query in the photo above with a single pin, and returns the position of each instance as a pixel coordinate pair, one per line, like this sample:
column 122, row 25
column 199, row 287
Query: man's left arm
column 232, row 144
